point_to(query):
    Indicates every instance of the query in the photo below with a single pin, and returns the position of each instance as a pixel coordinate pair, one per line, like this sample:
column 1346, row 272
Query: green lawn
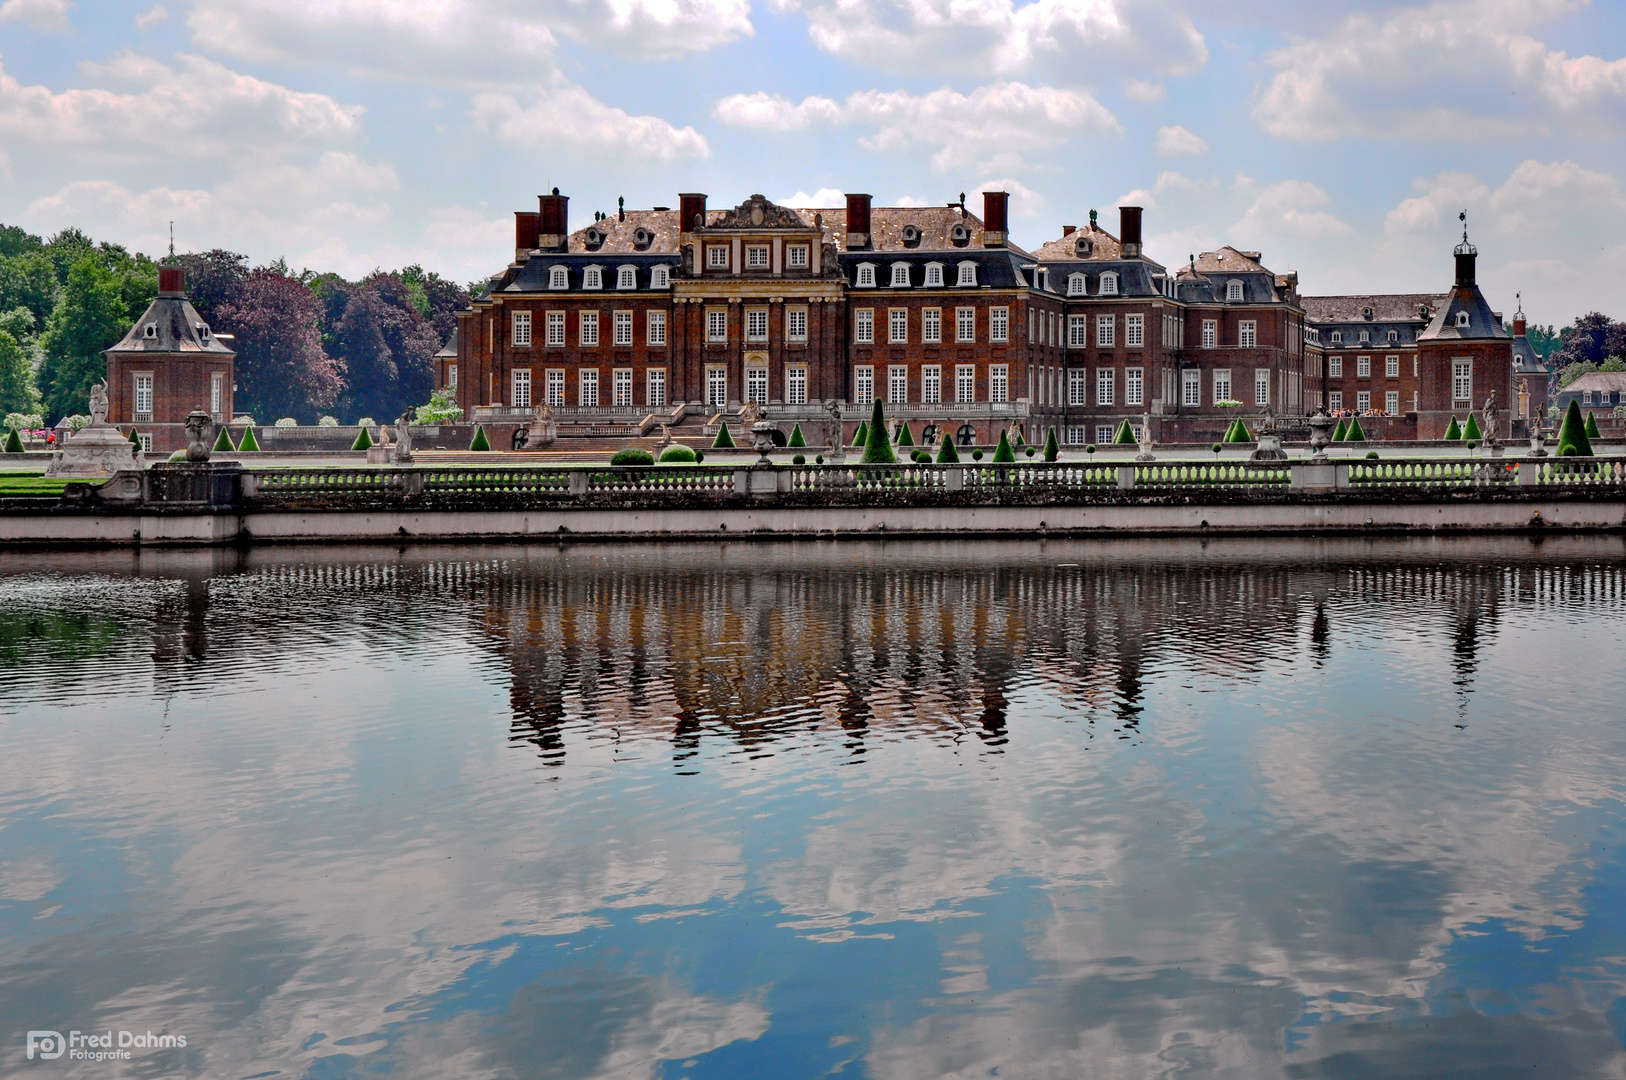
column 13, row 483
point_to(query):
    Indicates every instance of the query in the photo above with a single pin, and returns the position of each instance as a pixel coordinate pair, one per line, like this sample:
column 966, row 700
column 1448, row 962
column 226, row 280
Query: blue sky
column 1340, row 140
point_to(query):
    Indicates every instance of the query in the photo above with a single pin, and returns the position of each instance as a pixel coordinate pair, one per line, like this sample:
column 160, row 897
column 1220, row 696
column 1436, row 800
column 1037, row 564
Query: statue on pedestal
column 1490, row 420
column 200, row 433
column 837, row 441
column 1145, row 439
column 403, row 440
column 98, row 404
column 1321, row 425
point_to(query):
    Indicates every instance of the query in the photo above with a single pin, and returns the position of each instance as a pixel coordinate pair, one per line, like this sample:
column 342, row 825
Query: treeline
column 308, row 344
column 1595, row 343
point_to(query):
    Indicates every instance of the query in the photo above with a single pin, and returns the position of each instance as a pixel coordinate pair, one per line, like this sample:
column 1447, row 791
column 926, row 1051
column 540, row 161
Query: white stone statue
column 98, row 404
column 403, row 439
column 1145, row 439
column 1490, row 419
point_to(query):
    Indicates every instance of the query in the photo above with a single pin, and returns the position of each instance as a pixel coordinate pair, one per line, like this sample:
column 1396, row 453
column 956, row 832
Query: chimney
column 1129, row 230
column 857, row 222
column 1068, row 230
column 554, row 228
column 1465, row 267
column 171, row 281
column 527, row 229
column 691, row 211
column 994, row 207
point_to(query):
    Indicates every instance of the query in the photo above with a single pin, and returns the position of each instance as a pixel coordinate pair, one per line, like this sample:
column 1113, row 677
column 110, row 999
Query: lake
column 1238, row 808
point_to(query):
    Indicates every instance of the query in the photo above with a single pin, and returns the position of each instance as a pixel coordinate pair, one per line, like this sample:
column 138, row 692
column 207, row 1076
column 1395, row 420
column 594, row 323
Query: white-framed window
column 216, row 390
column 999, row 384
column 897, row 385
column 1134, row 386
column 1134, row 331
column 146, row 441
column 931, row 384
column 1462, row 381
column 1392, row 336
column 1391, row 402
column 655, row 388
column 965, row 383
column 866, row 275
column 756, row 385
column 623, row 328
column 897, row 325
column 965, row 324
column 1335, row 400
column 863, row 385
column 660, row 278
column 1222, row 384
column 1247, row 333
column 1106, row 331
column 968, row 273
column 796, row 384
column 864, row 326
column 796, row 256
column 593, row 277
column 1233, row 291
column 716, row 324
column 1363, row 367
column 655, row 328
column 934, row 275
column 931, row 325
column 717, row 256
column 1103, row 434
column 756, row 324
column 1078, row 386
column 1391, row 367
column 143, row 394
column 1109, row 284
column 1335, row 367
column 558, row 278
column 1462, row 319
column 519, row 334
column 999, row 324
column 900, row 275
column 1363, row 400
column 519, row 392
column 556, row 327
column 556, row 388
column 587, row 388
column 1078, row 285
column 716, row 386
column 1105, row 386
column 1337, row 337
column 1078, row 328
column 451, row 376
column 796, row 324
column 1586, row 397
column 626, row 277
column 621, row 382
column 588, row 328
column 1210, row 333
column 756, row 256
column 1191, row 387
column 1261, row 386
column 1366, row 337
column 1078, row 436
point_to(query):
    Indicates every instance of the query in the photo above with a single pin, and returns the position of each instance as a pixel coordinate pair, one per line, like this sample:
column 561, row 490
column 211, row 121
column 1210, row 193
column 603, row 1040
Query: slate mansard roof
column 171, row 325
column 1483, row 324
column 1207, row 278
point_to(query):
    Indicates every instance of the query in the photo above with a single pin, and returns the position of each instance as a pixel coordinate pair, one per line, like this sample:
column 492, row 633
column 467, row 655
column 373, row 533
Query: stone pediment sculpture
column 758, row 212
column 750, row 413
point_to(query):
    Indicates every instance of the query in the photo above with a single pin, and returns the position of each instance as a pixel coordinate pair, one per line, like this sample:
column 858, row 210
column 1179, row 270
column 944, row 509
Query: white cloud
column 1024, row 202
column 1177, row 140
column 155, row 14
column 564, row 115
column 46, row 16
column 1289, row 208
column 909, row 200
column 1012, row 116
column 1454, row 69
column 1169, row 180
column 1141, row 90
column 820, row 198
column 1139, row 197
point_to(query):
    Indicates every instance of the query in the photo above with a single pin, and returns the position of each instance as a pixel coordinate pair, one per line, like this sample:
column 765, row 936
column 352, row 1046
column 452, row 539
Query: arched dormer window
column 203, row 330
column 1366, row 336
column 558, row 278
column 1233, row 291
column 900, row 275
column 1084, row 246
column 1366, row 313
column 150, row 330
column 1337, row 337
column 592, row 238
column 593, row 277
column 911, row 235
column 658, row 278
column 934, row 275
column 626, row 277
column 968, row 273
column 1109, row 284
column 642, row 238
column 959, row 234
column 1462, row 318
column 866, row 275
column 1394, row 335
column 1077, row 285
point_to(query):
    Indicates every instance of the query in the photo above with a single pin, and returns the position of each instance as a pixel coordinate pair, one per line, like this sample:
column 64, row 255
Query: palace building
column 168, row 364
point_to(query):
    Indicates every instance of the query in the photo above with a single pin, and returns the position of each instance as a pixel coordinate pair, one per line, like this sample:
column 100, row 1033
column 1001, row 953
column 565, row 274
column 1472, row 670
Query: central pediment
column 760, row 212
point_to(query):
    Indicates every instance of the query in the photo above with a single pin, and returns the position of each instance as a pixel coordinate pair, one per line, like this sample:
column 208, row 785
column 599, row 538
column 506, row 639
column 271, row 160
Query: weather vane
column 172, row 239
column 1463, row 217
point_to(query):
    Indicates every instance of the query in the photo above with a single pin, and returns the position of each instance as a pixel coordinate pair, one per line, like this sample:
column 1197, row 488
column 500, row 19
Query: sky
column 1340, row 140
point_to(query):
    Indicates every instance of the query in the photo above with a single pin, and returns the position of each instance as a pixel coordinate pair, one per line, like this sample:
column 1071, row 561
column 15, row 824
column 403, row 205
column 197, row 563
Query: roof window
column 1077, row 285
column 866, row 275
column 911, row 235
column 150, row 330
column 959, row 233
column 627, row 277
column 1233, row 291
column 658, row 278
column 1366, row 313
column 1462, row 318
column 934, row 274
column 900, row 275
column 558, row 278
column 593, row 277
column 968, row 273
column 593, row 238
column 1084, row 246
column 642, row 238
column 1109, row 284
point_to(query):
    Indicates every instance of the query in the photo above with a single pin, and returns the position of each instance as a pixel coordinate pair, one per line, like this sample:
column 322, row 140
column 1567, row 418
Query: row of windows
column 865, row 279
column 587, row 387
column 1604, row 397
column 1365, row 338
column 1079, row 285
column 143, row 393
column 587, row 328
column 1363, row 401
column 660, row 277
column 931, row 325
column 931, row 384
column 757, row 257
column 1363, row 367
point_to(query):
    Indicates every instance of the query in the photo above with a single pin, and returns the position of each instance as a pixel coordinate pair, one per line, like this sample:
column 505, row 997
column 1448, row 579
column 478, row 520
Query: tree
column 248, row 443
column 724, row 440
column 223, row 440
column 1572, row 438
column 17, row 392
column 480, row 442
column 215, row 279
column 281, row 368
column 904, row 436
column 363, row 440
column 442, row 408
column 1452, row 431
column 1052, row 449
column 861, row 436
column 1355, row 432
column 1592, row 425
column 877, row 448
column 88, row 319
column 946, row 453
column 1002, row 453
column 1471, row 431
column 796, row 437
column 1125, row 435
column 385, row 341
column 1594, row 338
column 28, row 280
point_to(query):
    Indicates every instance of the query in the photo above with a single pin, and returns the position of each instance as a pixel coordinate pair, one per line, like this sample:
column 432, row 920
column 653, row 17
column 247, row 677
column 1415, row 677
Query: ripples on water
column 888, row 810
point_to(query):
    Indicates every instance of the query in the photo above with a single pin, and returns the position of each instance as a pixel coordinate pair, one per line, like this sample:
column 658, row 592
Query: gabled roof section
column 1228, row 261
column 1614, row 381
column 448, row 351
column 1386, row 307
column 620, row 236
column 172, row 325
column 888, row 224
column 1065, row 248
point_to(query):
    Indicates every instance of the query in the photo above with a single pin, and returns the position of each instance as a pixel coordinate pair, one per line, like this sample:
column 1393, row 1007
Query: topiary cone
column 1125, row 435
column 1452, row 431
column 1052, row 449
column 947, row 454
column 1592, row 431
column 480, row 442
column 222, row 441
column 905, row 438
column 1338, row 432
column 248, row 443
column 725, row 438
column 363, row 440
column 1242, row 432
column 14, row 442
column 861, row 436
column 135, row 439
column 1573, row 433
column 877, row 448
column 1470, row 430
column 796, row 437
column 1355, row 434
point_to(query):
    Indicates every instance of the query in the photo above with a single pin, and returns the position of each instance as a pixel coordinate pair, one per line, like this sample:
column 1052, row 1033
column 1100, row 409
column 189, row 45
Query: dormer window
column 866, row 275
column 900, row 275
column 1366, row 313
column 1337, row 337
column 1077, row 285
column 1109, row 284
column 1233, row 292
column 203, row 330
column 658, row 278
column 1462, row 318
column 593, row 277
column 1366, row 336
column 968, row 273
column 150, row 330
column 934, row 275
column 1394, row 335
column 558, row 278
column 911, row 234
column 592, row 238
column 626, row 277
column 959, row 233
column 642, row 237
column 1084, row 246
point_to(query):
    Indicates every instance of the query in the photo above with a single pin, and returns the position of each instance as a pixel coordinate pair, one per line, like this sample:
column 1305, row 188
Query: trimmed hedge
column 1470, row 430
column 861, row 436
column 877, row 448
column 1355, row 433
column 248, row 442
column 179, row 455
column 796, row 437
column 1002, row 452
column 222, row 441
column 677, row 453
column 14, row 442
column 1592, row 431
column 480, row 443
column 1052, row 449
column 725, row 438
column 363, row 441
column 633, row 455
column 1453, row 431
column 1125, row 435
column 905, row 437
column 135, row 439
column 946, row 453
column 1572, row 437
column 799, row 459
column 1338, row 432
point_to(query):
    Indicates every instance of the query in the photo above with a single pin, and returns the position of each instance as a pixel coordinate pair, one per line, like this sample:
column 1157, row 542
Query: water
column 1285, row 809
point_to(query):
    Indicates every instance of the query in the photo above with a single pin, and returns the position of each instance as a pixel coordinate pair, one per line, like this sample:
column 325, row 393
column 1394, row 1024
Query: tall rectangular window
column 1105, row 386
column 1210, row 333
column 519, row 395
column 1134, row 386
column 1363, row 400
column 1391, row 367
column 143, row 394
column 1335, row 400
column 796, row 324
column 556, row 328
column 999, row 324
column 756, row 385
column 655, row 328
column 756, row 324
column 1103, row 434
column 717, row 256
column 999, row 384
column 216, row 390
column 520, row 336
column 451, row 376
column 655, row 388
column 931, row 384
column 1261, row 386
column 1106, row 331
column 1222, row 385
column 1391, row 402
column 796, row 385
column 1078, row 329
column 589, row 327
column 1134, row 331
column 1363, row 367
column 623, row 387
column 556, row 388
column 716, row 385
column 1335, row 367
column 864, row 326
column 965, row 383
column 1191, row 387
column 863, row 385
column 623, row 328
column 587, row 384
column 1078, row 386
column 931, row 325
column 1462, row 381
column 1247, row 333
column 897, row 385
column 965, row 323
column 897, row 325
column 717, row 324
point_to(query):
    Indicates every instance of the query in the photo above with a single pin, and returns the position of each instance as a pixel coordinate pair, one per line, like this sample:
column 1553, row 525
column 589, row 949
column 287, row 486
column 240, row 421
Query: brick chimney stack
column 691, row 211
column 857, row 222
column 553, row 227
column 995, row 206
column 171, row 281
column 1129, row 230
column 1068, row 230
column 527, row 231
